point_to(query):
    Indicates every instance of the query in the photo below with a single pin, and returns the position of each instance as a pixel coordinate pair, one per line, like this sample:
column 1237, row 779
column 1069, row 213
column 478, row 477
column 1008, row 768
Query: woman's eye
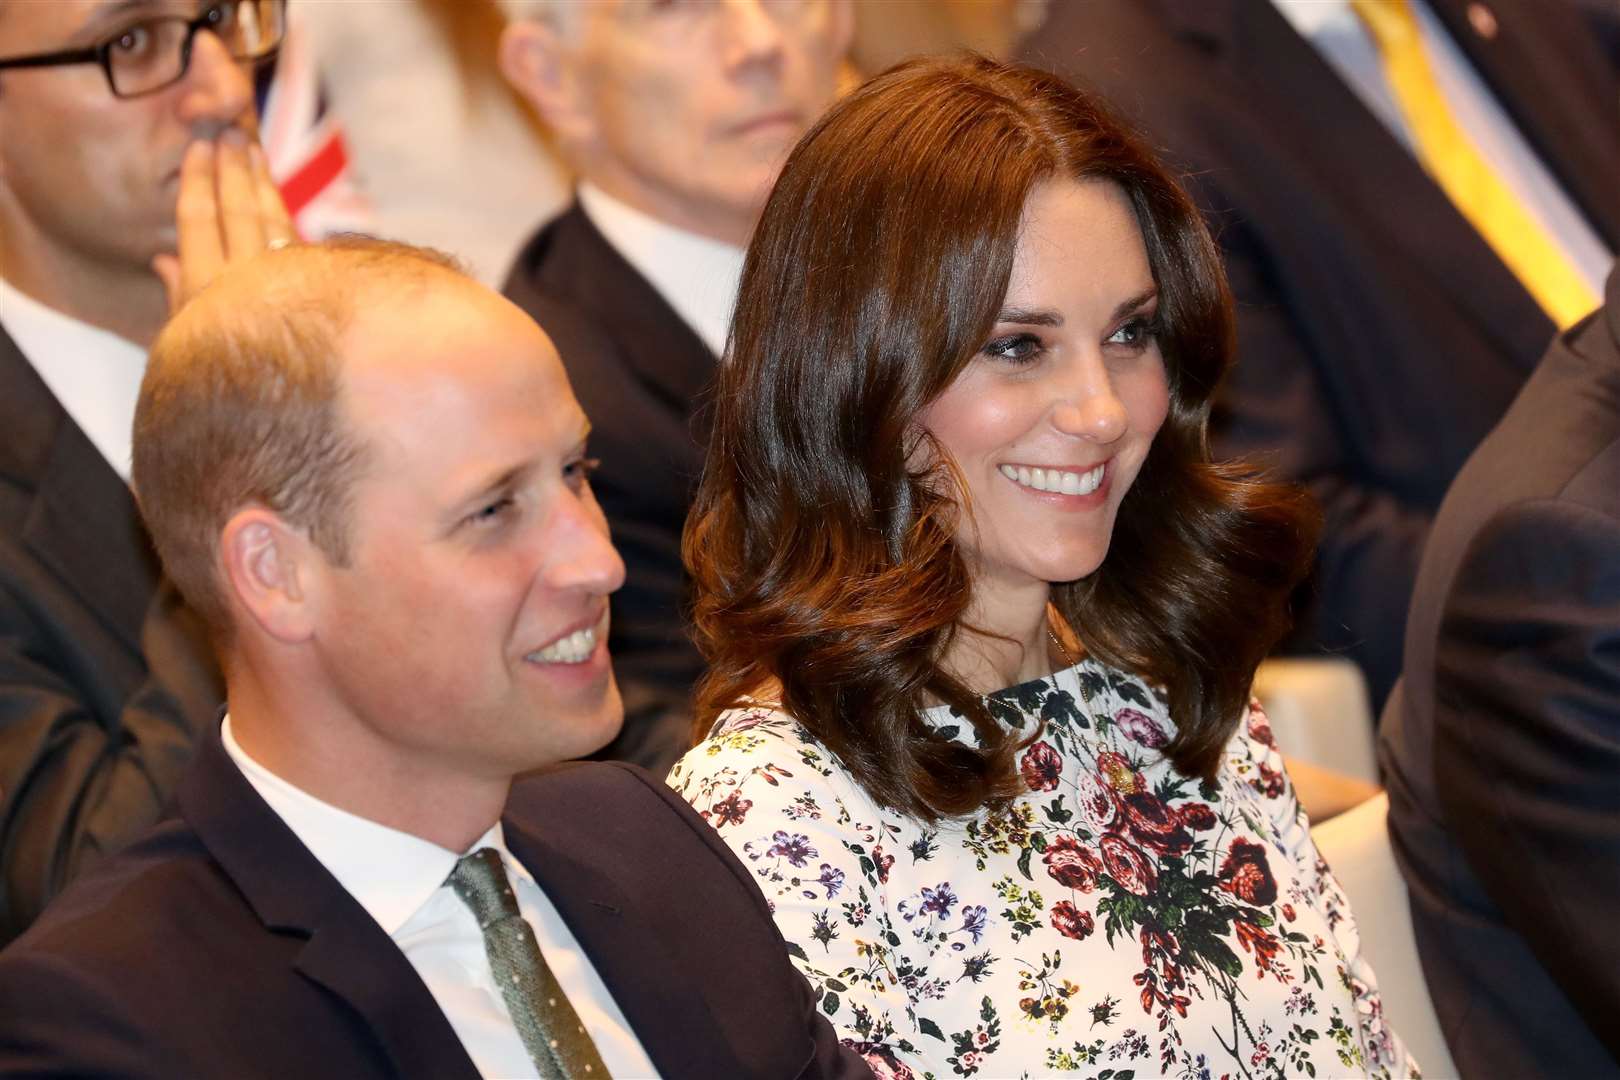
column 1136, row 333
column 1018, row 348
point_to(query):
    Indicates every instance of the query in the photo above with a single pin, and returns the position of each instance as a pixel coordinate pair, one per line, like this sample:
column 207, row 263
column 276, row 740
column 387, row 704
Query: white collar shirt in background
column 94, row 373
column 1334, row 31
column 696, row 275
column 400, row 880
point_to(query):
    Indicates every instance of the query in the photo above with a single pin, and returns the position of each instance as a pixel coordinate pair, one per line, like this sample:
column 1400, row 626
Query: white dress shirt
column 94, row 373
column 400, row 880
column 696, row 275
column 1334, row 31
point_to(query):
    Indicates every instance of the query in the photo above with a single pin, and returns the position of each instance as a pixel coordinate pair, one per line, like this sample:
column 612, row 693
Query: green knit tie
column 546, row 1022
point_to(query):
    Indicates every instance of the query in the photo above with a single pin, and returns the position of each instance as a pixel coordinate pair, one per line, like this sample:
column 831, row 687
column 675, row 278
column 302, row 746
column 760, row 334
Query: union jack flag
column 304, row 144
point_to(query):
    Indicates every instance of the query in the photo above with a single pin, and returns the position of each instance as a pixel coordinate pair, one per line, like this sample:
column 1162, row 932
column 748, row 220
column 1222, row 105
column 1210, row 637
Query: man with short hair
column 369, row 475
column 677, row 119
column 105, row 106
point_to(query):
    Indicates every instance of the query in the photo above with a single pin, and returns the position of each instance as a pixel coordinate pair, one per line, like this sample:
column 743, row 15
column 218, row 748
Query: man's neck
column 712, row 222
column 346, row 766
column 128, row 302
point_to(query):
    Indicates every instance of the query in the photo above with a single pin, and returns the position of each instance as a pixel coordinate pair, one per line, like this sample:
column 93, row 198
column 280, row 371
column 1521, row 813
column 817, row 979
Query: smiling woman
column 982, row 615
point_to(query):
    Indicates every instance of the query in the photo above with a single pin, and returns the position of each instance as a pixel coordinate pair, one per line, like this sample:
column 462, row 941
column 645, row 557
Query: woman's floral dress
column 1117, row 920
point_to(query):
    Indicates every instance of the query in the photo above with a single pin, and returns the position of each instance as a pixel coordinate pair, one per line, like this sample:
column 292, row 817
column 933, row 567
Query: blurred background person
column 1501, row 743
column 676, row 118
column 1409, row 197
column 982, row 616
column 110, row 113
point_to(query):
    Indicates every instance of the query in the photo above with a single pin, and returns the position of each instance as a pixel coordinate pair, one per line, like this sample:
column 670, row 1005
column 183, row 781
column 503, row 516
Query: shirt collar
column 1317, row 16
column 697, row 275
column 94, row 373
column 388, row 872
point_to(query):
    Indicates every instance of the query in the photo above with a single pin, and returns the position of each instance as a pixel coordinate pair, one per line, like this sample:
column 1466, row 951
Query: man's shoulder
column 623, row 820
column 131, row 902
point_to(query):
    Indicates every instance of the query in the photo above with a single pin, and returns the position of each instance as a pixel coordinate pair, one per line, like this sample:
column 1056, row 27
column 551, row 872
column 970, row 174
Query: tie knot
column 480, row 880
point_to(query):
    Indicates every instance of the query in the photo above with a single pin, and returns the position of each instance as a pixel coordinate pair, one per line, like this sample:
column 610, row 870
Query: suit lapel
column 1547, row 75
column 82, row 523
column 345, row 950
column 664, row 352
column 673, row 1022
column 1352, row 154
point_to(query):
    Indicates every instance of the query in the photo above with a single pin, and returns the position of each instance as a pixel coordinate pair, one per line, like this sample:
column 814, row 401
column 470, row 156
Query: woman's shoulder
column 758, row 740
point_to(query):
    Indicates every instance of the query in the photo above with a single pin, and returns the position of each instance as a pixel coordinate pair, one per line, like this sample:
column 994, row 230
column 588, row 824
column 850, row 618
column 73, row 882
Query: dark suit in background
column 105, row 677
column 219, row 946
column 1501, row 743
column 1379, row 337
column 640, row 373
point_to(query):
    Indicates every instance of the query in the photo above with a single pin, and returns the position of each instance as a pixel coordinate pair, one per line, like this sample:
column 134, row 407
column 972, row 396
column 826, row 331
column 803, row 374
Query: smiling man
column 677, row 118
column 109, row 110
column 369, row 476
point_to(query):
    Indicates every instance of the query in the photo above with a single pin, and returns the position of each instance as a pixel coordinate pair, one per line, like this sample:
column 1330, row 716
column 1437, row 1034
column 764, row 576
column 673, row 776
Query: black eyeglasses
column 155, row 52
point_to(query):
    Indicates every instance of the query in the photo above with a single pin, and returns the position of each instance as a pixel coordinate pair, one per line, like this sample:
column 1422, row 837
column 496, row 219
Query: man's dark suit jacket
column 1501, row 743
column 217, row 946
column 105, row 677
column 1379, row 338
column 640, row 373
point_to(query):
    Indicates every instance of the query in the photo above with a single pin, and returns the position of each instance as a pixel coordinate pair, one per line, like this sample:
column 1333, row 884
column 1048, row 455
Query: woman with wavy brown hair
column 982, row 615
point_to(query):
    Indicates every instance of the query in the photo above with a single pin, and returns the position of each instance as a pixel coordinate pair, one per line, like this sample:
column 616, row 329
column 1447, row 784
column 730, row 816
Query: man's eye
column 134, row 40
column 220, row 16
column 578, row 472
column 493, row 512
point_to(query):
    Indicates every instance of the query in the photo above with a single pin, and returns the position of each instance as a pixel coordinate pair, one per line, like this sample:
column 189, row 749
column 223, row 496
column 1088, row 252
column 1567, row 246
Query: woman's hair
column 822, row 560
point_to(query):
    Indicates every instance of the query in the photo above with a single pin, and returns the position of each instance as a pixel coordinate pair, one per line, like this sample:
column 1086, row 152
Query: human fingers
column 239, row 214
column 278, row 224
column 199, row 244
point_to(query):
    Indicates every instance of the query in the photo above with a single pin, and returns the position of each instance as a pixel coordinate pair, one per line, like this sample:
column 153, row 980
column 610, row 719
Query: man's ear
column 270, row 573
column 538, row 65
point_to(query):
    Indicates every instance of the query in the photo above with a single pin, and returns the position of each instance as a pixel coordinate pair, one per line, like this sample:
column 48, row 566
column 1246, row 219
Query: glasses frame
column 101, row 52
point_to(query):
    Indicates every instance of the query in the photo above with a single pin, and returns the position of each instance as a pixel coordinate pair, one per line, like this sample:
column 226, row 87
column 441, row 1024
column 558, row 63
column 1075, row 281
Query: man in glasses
column 112, row 114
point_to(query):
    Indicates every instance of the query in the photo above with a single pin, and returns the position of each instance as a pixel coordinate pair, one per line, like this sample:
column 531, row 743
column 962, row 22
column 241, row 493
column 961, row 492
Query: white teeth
column 576, row 648
column 1055, row 480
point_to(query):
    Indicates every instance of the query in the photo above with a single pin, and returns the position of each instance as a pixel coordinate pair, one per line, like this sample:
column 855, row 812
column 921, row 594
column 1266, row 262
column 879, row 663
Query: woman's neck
column 1005, row 640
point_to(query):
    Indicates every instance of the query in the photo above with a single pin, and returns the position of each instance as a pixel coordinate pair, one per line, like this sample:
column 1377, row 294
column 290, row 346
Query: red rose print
column 1132, row 870
column 1260, row 726
column 1196, row 816
column 1041, row 767
column 1141, row 728
column 1155, row 825
column 1071, row 922
column 1071, row 864
column 1246, row 874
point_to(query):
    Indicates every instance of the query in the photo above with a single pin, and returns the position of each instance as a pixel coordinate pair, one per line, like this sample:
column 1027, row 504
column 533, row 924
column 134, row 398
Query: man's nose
column 750, row 34
column 578, row 553
column 217, row 91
